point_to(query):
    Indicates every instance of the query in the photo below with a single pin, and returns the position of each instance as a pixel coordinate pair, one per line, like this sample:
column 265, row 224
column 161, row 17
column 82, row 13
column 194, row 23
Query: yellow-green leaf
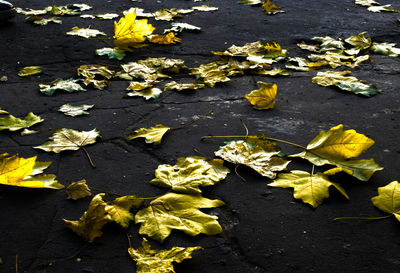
column 90, row 71
column 164, row 39
column 69, row 139
column 151, row 134
column 78, row 190
column 388, row 49
column 359, row 41
column 43, row 21
column 12, row 123
column 26, row 172
column 388, row 199
column 310, row 188
column 148, row 93
column 69, row 85
column 119, row 209
column 29, row 71
column 159, row 261
column 189, row 173
column 262, row 159
column 129, row 31
column 270, row 8
column 112, row 53
column 178, row 211
column 264, row 97
column 361, row 169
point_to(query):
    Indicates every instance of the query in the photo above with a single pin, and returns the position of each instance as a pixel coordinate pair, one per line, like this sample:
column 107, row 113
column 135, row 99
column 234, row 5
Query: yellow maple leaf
column 151, row 134
column 264, row 97
column 164, row 39
column 128, row 31
column 388, row 199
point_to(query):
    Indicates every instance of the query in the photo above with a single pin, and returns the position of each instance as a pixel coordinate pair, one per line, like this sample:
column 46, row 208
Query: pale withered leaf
column 388, row 199
column 69, row 139
column 12, row 123
column 26, row 132
column 178, row 211
column 182, row 86
column 264, row 97
column 255, row 48
column 204, row 8
column 270, row 8
column 90, row 71
column 26, row 172
column 385, row 8
column 148, row 93
column 88, row 16
column 107, row 16
column 366, row 3
column 164, row 39
column 69, row 85
column 359, row 41
column 78, row 190
column 170, row 14
column 43, row 21
column 3, row 111
column 263, row 160
column 310, row 188
column 72, row 110
column 250, row 2
column 31, row 11
column 329, row 44
column 312, row 48
column 157, row 261
column 112, row 53
column 210, row 73
column 189, row 173
column 151, row 134
column 128, row 31
column 388, row 49
column 29, row 71
column 179, row 27
column 301, row 64
column 139, row 12
column 70, row 9
column 85, row 32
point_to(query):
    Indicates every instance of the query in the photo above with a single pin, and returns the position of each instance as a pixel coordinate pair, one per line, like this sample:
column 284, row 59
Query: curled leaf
column 151, row 134
column 78, row 190
column 164, row 39
column 264, row 97
column 69, row 85
column 12, row 123
column 90, row 71
column 271, row 8
column 29, row 71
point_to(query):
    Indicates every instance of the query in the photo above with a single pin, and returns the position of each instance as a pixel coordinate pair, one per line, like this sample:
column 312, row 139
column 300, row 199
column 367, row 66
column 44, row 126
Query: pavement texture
column 265, row 228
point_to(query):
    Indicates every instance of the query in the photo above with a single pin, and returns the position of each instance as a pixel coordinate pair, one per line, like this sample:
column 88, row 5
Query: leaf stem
column 268, row 138
column 16, row 263
column 193, row 121
column 237, row 173
column 88, row 156
column 362, row 218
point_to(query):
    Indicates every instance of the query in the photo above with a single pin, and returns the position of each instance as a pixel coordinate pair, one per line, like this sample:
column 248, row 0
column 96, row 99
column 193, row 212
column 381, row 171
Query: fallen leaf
column 388, row 199
column 69, row 139
column 336, row 146
column 189, row 173
column 3, row 78
column 100, row 213
column 272, row 72
column 157, row 261
column 164, row 39
column 359, row 41
column 388, row 49
column 170, row 14
column 43, row 21
column 12, row 123
column 70, row 9
column 139, row 12
column 179, row 27
column 263, row 160
column 329, row 44
column 137, row 86
column 151, row 134
column 129, row 31
column 107, row 16
column 29, row 71
column 31, row 11
column 71, row 110
column 182, row 86
column 178, row 211
column 85, row 32
column 310, row 188
column 112, row 53
column 88, row 16
column 366, row 3
column 301, row 64
column 204, row 8
column 312, row 48
column 250, row 2
column 69, row 85
column 90, row 71
column 26, row 132
column 3, row 111
column 271, row 8
column 26, row 172
column 346, row 83
column 264, row 97
column 385, row 8
column 78, row 190
column 249, row 49
column 211, row 73
column 148, row 93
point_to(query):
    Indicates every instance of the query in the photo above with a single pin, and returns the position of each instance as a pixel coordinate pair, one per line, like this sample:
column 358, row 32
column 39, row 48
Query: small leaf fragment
column 29, row 71
column 310, row 188
column 26, row 132
column 388, row 49
column 250, row 2
column 107, row 16
column 37, row 20
column 182, row 86
column 151, row 134
column 78, row 190
column 69, row 139
column 189, row 173
column 69, row 85
column 179, row 27
column 73, row 111
column 157, row 261
column 12, row 123
column 263, row 160
column 112, row 53
column 148, row 93
column 204, row 8
column 164, row 39
column 271, row 8
column 385, row 8
column 85, row 32
column 264, row 97
column 388, row 199
column 178, row 211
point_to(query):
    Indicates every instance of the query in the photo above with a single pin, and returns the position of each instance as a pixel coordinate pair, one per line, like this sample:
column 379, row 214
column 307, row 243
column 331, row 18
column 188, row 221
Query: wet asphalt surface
column 265, row 229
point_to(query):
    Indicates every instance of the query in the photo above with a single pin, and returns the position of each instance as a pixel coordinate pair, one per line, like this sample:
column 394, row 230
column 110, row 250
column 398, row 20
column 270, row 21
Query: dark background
column 265, row 229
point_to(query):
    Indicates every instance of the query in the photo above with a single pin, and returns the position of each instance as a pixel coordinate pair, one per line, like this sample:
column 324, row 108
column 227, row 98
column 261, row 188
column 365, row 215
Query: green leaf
column 12, row 123
column 69, row 85
column 112, row 53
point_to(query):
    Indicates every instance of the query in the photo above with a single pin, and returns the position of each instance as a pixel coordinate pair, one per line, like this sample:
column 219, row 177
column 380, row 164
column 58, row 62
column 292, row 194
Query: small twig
column 237, row 173
column 193, row 121
column 16, row 263
column 88, row 156
column 362, row 218
column 245, row 127
column 129, row 239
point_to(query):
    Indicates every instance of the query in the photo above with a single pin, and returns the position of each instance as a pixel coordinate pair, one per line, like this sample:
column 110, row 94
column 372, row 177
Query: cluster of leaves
column 374, row 6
